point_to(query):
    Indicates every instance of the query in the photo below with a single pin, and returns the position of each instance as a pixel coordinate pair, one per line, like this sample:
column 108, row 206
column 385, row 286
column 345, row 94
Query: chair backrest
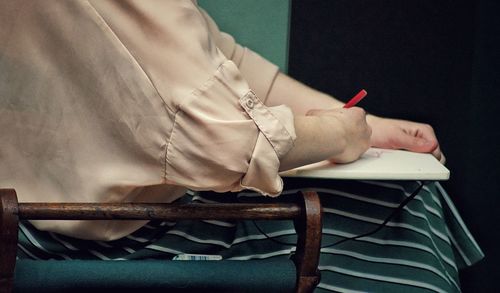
column 261, row 25
column 306, row 216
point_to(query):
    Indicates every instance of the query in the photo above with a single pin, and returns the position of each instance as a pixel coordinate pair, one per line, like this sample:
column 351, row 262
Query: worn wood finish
column 8, row 238
column 306, row 216
column 306, row 258
column 152, row 211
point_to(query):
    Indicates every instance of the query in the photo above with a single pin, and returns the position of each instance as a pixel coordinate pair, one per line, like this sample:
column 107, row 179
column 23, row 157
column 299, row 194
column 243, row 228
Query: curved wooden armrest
column 8, row 237
column 306, row 217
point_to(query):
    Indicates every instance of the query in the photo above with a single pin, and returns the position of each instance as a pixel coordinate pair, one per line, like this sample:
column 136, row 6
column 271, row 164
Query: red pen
column 358, row 97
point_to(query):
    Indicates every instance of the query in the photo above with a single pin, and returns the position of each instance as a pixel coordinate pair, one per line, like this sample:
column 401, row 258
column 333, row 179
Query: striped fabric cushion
column 419, row 250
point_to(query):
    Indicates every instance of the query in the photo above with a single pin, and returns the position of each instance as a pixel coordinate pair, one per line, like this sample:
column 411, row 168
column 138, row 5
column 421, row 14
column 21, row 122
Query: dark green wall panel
column 261, row 25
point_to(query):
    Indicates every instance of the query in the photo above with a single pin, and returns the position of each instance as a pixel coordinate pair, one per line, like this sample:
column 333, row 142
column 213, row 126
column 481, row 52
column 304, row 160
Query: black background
column 434, row 61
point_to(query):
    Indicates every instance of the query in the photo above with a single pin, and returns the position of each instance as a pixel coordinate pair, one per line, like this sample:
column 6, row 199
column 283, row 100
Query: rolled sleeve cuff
column 276, row 138
column 226, row 139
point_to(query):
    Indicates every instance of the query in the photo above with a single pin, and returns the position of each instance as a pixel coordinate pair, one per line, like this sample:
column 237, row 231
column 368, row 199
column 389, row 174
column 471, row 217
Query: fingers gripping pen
column 358, row 97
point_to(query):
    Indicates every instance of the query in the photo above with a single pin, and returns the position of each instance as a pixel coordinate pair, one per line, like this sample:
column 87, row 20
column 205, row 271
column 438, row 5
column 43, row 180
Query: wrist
column 318, row 138
column 372, row 119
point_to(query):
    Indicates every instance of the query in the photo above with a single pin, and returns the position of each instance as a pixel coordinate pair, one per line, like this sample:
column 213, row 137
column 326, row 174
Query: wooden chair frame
column 306, row 216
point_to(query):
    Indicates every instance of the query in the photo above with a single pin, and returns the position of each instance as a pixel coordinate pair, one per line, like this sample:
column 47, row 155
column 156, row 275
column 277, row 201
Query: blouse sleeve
column 259, row 72
column 223, row 137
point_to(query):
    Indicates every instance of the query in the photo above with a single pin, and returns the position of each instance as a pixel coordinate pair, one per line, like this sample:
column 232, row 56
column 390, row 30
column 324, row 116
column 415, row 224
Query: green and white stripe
column 420, row 250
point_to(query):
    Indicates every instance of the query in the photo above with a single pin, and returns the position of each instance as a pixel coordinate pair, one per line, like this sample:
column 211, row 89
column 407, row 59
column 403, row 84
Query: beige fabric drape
column 114, row 101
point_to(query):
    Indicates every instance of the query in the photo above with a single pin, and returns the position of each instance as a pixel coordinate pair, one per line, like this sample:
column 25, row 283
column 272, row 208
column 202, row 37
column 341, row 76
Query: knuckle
column 359, row 110
column 428, row 127
column 311, row 112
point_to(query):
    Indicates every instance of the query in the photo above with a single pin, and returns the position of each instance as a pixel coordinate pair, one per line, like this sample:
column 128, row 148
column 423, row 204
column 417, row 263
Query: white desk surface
column 378, row 164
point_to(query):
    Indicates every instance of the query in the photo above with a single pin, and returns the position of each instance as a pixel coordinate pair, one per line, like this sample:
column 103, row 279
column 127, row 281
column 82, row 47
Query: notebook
column 378, row 164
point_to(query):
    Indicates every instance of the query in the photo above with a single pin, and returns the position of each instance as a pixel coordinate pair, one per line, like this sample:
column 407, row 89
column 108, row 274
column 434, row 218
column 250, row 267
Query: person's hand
column 355, row 129
column 405, row 135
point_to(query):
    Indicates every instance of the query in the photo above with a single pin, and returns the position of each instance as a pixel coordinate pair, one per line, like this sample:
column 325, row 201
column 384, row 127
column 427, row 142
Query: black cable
column 270, row 238
column 394, row 213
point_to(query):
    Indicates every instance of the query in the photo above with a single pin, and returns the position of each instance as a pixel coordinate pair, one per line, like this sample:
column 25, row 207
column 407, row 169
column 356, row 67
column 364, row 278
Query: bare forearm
column 337, row 134
column 387, row 133
column 298, row 96
column 316, row 140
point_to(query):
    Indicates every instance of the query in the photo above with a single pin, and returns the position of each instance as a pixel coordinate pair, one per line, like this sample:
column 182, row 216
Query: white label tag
column 197, row 257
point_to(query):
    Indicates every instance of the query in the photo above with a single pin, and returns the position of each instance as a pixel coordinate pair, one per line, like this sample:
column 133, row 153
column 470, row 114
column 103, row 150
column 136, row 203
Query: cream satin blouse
column 131, row 101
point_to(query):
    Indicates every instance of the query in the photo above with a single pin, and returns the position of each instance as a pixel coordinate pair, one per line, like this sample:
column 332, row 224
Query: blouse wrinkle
column 129, row 52
column 152, row 107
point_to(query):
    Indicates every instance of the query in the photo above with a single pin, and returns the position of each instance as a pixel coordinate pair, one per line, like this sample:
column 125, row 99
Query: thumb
column 415, row 144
